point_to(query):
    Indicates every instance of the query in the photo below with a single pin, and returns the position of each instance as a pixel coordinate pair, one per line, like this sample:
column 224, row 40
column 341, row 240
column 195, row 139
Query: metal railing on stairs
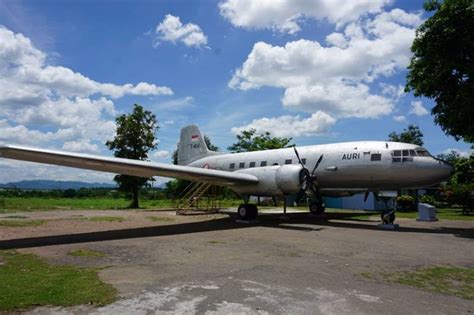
column 198, row 197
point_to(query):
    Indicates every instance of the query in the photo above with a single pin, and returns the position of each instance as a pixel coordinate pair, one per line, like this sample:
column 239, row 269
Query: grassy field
column 160, row 219
column 447, row 280
column 32, row 204
column 13, row 204
column 28, row 281
column 21, row 223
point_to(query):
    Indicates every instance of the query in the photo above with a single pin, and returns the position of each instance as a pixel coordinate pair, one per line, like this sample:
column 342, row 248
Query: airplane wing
column 125, row 166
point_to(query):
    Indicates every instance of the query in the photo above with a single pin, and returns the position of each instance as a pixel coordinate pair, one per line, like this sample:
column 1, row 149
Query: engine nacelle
column 273, row 180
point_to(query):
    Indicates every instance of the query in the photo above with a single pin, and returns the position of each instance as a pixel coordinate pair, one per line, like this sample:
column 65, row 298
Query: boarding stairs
column 198, row 198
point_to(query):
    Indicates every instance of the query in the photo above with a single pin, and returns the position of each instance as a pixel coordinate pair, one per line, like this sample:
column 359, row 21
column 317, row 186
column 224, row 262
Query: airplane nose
column 446, row 169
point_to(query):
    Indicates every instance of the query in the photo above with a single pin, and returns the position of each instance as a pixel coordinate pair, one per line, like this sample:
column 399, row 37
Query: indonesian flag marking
column 194, row 138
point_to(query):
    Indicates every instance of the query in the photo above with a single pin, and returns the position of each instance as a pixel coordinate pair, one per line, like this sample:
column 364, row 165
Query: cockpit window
column 403, row 156
column 423, row 153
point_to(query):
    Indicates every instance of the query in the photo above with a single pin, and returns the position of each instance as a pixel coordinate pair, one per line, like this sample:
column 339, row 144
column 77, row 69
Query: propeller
column 308, row 179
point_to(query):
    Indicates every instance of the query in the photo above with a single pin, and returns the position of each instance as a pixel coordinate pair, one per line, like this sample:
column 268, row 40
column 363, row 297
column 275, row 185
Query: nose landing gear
column 388, row 218
column 317, row 207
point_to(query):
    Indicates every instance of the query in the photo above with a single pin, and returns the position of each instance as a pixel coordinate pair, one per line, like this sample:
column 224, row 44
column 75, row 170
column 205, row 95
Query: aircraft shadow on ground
column 340, row 220
column 228, row 223
column 161, row 230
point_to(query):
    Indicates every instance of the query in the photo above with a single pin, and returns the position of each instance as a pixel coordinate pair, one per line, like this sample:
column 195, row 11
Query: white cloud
column 176, row 104
column 20, row 170
column 52, row 106
column 291, row 126
column 392, row 91
column 336, row 78
column 83, row 145
column 172, row 30
column 400, row 119
column 417, row 108
column 338, row 99
column 26, row 78
column 161, row 154
column 286, row 15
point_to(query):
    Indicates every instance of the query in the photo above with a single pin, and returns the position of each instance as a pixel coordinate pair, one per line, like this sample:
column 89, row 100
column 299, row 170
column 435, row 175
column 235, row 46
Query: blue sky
column 317, row 71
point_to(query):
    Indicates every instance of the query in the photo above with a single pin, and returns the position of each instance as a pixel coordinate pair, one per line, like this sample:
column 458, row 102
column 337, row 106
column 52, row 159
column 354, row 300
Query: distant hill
column 54, row 184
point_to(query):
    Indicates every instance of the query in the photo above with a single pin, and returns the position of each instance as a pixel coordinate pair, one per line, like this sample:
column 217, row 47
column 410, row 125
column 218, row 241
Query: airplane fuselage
column 368, row 165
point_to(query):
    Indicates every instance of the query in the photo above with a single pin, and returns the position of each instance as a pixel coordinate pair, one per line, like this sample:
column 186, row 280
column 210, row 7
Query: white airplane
column 338, row 169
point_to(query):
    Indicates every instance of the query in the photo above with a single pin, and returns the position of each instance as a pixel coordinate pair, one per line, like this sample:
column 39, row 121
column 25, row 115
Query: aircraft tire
column 243, row 212
column 389, row 219
column 317, row 208
column 253, row 212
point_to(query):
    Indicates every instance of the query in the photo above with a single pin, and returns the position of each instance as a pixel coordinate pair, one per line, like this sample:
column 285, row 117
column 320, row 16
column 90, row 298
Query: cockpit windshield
column 403, row 155
column 422, row 152
column 407, row 155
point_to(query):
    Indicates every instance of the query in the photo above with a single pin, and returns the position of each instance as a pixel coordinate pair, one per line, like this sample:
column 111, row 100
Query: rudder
column 191, row 145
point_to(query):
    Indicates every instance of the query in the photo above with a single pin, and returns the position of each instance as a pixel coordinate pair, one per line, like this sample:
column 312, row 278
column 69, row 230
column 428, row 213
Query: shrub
column 405, row 203
column 429, row 200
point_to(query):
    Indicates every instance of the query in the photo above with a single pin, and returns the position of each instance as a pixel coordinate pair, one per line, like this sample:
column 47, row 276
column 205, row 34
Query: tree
column 135, row 138
column 451, row 157
column 249, row 141
column 412, row 134
column 442, row 65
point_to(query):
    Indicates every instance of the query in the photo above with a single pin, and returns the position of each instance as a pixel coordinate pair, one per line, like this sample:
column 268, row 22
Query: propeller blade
column 300, row 195
column 316, row 191
column 366, row 196
column 317, row 164
column 376, row 195
column 298, row 156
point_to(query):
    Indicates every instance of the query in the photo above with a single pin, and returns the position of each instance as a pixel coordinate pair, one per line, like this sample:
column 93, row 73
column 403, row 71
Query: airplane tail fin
column 191, row 145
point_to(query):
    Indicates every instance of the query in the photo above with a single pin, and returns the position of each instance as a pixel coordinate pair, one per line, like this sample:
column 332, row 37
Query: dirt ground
column 211, row 264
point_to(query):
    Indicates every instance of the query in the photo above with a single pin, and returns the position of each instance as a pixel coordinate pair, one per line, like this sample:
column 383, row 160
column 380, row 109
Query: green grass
column 107, row 218
column 159, row 219
column 14, row 204
column 28, row 281
column 85, row 252
column 442, row 214
column 21, row 223
column 447, row 280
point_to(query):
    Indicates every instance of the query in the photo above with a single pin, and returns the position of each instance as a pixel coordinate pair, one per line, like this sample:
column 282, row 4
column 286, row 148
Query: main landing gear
column 247, row 212
column 317, row 207
column 388, row 217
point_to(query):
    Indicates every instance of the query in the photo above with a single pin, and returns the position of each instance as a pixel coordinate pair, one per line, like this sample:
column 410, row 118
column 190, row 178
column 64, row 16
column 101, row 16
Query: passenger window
column 252, row 164
column 412, row 153
column 376, row 157
column 275, row 164
column 397, row 153
column 304, row 161
column 288, row 161
column 242, row 165
column 407, row 159
column 396, row 159
column 405, row 153
column 263, row 163
column 232, row 166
